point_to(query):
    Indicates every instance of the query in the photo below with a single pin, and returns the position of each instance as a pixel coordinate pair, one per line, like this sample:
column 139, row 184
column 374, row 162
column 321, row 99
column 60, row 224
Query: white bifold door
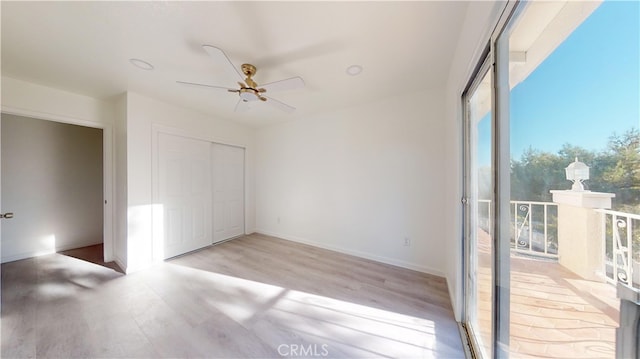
column 197, row 196
column 228, row 192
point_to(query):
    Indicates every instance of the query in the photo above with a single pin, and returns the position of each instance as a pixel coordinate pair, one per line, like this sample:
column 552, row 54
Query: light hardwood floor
column 255, row 296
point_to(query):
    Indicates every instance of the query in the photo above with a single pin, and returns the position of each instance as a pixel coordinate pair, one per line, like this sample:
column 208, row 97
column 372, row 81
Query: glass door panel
column 573, row 96
column 478, row 212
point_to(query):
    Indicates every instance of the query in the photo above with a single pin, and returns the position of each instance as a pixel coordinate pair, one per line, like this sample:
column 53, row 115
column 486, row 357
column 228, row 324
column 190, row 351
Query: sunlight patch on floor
column 347, row 328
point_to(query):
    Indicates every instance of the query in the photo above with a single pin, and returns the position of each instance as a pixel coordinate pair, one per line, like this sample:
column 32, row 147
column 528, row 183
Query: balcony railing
column 621, row 239
column 534, row 227
column 534, row 232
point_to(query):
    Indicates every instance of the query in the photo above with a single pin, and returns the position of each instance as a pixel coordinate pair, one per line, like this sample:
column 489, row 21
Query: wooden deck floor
column 255, row 296
column 557, row 314
column 554, row 313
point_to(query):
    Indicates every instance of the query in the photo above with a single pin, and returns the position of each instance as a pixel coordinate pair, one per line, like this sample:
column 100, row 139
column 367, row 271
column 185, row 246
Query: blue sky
column 588, row 88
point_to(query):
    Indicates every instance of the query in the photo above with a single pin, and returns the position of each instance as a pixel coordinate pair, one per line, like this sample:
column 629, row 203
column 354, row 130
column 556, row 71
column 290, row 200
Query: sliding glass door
column 486, row 199
column 541, row 263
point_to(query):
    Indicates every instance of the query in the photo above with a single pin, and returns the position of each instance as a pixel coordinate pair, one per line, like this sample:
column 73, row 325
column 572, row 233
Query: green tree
column 614, row 170
column 622, row 174
column 535, row 174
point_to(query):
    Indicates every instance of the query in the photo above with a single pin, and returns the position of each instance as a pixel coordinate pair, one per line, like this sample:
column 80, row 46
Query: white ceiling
column 85, row 47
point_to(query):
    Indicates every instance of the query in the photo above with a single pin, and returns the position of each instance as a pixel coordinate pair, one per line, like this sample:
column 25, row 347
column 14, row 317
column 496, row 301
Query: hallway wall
column 52, row 180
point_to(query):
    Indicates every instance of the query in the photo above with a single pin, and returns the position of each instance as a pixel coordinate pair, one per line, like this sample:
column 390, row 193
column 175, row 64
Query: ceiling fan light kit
column 249, row 94
column 249, row 90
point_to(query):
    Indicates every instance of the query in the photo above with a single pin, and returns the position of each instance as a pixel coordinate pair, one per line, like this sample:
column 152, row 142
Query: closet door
column 228, row 192
column 184, row 176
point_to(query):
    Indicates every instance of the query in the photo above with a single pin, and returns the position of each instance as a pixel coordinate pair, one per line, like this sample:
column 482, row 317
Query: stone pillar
column 580, row 244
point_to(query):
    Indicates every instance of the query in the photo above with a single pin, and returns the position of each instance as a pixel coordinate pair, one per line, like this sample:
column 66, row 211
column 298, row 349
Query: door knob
column 7, row 215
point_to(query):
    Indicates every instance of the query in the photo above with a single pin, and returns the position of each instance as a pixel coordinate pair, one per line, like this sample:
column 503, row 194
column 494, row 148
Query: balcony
column 556, row 312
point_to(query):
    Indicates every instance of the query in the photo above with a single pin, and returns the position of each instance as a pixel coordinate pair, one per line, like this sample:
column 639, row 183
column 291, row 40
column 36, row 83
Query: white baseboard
column 454, row 303
column 20, row 256
column 355, row 253
column 120, row 263
column 25, row 255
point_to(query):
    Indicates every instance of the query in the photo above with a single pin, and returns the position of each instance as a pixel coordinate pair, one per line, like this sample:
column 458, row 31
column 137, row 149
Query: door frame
column 156, row 130
column 108, row 178
column 483, row 68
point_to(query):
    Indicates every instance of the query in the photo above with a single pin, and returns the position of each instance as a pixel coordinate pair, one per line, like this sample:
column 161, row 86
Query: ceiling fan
column 249, row 90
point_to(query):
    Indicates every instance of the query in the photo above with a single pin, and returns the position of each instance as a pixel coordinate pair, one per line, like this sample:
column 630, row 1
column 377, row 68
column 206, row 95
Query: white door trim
column 107, row 166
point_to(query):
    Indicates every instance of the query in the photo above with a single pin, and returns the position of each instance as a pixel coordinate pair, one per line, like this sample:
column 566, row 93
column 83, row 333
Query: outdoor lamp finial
column 577, row 172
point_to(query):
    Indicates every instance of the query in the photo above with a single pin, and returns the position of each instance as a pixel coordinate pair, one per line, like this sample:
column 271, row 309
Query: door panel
column 228, row 192
column 184, row 184
column 235, row 216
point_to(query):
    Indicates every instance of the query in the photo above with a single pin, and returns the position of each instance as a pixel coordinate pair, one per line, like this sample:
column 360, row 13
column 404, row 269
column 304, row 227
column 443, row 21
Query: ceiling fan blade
column 242, row 106
column 203, row 85
column 221, row 58
column 284, row 85
column 280, row 105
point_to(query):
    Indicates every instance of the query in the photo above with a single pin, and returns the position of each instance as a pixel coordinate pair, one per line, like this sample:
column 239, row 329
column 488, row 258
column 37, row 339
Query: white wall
column 52, row 180
column 359, row 180
column 479, row 22
column 143, row 114
column 53, row 103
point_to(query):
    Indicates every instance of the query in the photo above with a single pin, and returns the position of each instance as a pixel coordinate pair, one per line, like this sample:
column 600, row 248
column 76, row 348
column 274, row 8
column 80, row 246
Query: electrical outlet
column 407, row 242
column 278, row 220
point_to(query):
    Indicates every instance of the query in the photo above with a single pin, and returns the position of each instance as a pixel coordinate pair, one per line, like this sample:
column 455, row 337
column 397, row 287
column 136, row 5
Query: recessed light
column 354, row 70
column 141, row 64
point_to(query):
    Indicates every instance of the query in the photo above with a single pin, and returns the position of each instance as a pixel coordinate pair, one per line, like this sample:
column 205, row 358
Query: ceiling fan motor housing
column 250, row 93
